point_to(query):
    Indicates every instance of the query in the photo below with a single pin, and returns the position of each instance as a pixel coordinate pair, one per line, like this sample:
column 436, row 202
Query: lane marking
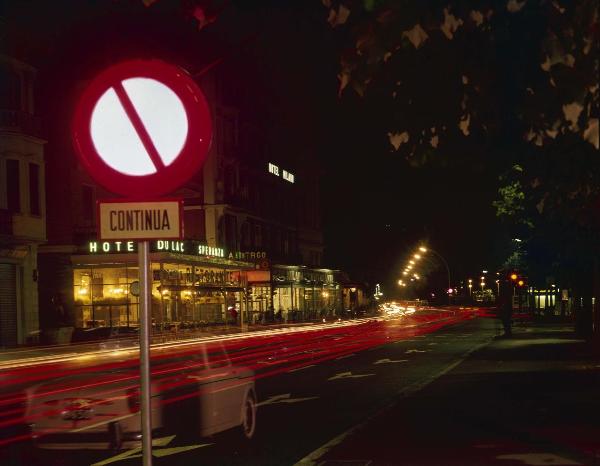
column 348, row 375
column 285, row 398
column 314, row 457
column 389, row 361
column 539, row 459
column 416, row 351
column 353, row 354
column 159, row 453
column 301, row 368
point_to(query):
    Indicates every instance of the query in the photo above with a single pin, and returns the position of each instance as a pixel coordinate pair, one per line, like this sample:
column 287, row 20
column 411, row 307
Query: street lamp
column 424, row 249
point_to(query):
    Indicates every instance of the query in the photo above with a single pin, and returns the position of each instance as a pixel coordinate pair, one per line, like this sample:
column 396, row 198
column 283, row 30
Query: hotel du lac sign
column 187, row 247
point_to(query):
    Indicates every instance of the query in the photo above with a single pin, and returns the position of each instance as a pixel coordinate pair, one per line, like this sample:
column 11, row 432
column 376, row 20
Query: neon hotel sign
column 286, row 175
column 182, row 247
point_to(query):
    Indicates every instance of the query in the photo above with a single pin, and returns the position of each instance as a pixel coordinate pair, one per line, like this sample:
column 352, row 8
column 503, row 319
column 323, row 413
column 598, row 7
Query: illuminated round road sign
column 142, row 128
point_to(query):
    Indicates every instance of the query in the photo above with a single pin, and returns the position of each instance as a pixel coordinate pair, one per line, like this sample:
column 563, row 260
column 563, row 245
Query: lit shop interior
column 299, row 293
column 183, row 294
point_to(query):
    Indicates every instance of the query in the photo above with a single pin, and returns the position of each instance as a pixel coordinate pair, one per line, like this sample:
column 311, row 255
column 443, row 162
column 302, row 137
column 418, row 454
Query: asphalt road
column 303, row 409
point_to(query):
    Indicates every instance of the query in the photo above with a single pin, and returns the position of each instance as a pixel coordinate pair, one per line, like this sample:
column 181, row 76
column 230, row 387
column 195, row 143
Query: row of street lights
column 483, row 283
column 412, row 262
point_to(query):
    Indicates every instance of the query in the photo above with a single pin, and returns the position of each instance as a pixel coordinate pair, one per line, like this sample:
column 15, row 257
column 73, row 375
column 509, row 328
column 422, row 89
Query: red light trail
column 29, row 391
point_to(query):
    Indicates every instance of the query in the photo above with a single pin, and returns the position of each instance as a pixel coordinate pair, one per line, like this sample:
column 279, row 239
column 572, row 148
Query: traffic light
column 518, row 279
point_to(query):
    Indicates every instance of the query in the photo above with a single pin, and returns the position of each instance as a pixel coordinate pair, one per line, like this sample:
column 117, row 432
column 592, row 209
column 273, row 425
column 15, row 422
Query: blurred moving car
column 200, row 391
column 396, row 309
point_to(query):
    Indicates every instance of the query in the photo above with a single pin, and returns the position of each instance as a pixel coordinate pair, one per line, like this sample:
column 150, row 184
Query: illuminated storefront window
column 103, row 297
column 183, row 295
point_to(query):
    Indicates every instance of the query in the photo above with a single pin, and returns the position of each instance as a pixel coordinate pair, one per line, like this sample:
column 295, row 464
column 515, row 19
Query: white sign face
column 142, row 128
column 162, row 113
column 140, row 220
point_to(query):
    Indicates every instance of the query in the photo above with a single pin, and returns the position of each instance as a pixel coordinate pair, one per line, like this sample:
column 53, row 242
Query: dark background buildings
column 280, row 61
column 284, row 60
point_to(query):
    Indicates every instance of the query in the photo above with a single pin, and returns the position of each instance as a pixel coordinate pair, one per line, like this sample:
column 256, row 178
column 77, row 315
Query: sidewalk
column 533, row 399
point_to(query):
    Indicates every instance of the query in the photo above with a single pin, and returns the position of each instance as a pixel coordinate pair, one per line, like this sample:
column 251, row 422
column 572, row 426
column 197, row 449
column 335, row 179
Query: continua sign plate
column 124, row 220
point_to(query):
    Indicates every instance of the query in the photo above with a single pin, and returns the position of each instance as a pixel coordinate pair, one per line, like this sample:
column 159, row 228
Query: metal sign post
column 142, row 151
column 145, row 324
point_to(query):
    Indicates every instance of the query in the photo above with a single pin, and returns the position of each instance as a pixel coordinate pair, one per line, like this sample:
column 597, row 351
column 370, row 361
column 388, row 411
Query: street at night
column 300, row 232
column 435, row 388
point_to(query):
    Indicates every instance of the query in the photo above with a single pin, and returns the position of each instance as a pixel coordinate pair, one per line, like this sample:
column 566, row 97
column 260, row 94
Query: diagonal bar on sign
column 137, row 123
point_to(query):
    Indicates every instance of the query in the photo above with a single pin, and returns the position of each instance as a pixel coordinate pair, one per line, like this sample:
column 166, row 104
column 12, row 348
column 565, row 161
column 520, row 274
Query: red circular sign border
column 193, row 153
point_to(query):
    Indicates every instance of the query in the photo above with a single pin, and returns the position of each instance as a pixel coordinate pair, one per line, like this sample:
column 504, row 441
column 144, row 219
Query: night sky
column 376, row 207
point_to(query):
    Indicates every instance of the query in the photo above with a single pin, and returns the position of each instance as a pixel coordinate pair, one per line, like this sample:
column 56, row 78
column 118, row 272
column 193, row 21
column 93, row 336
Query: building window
column 227, row 137
column 87, row 205
column 34, row 189
column 230, row 182
column 227, row 232
column 285, row 246
column 10, row 83
column 258, row 242
column 245, row 236
column 13, row 193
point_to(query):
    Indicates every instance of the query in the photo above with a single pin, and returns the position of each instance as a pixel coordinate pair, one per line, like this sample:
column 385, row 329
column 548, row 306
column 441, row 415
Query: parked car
column 202, row 392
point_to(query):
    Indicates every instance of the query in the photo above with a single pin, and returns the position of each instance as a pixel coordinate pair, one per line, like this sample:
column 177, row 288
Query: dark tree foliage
column 509, row 86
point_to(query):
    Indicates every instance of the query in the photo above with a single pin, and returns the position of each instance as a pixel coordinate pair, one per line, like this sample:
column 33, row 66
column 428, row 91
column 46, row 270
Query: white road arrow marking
column 389, row 361
column 415, row 351
column 158, row 442
column 348, row 375
column 285, row 398
column 175, row 450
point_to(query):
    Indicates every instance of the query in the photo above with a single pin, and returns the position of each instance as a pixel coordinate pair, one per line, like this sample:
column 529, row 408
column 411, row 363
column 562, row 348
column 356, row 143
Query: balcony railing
column 17, row 120
column 6, row 223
